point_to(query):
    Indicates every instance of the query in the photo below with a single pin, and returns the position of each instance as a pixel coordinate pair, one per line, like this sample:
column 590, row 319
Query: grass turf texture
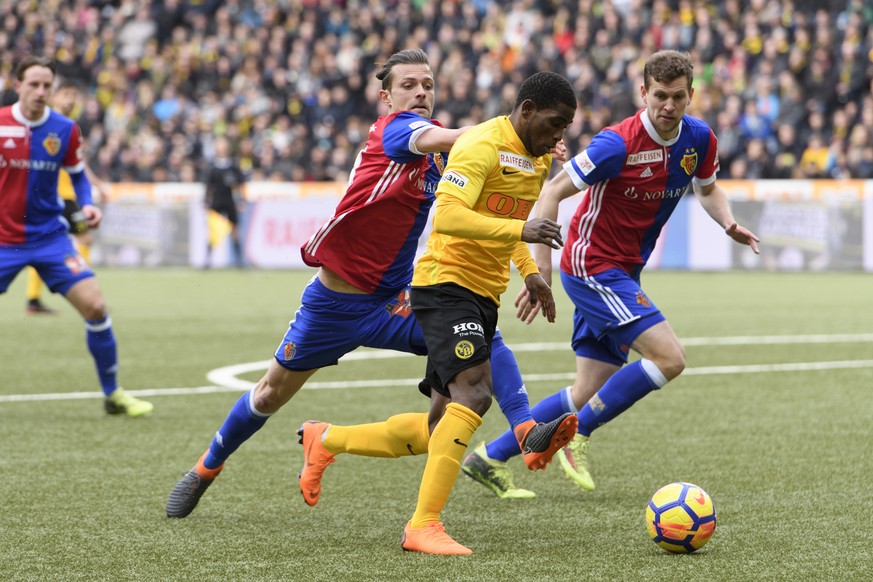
column 784, row 455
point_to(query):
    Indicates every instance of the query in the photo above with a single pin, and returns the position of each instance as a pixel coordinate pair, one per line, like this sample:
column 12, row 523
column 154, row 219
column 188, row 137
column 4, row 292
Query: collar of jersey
column 653, row 133
column 509, row 131
column 20, row 118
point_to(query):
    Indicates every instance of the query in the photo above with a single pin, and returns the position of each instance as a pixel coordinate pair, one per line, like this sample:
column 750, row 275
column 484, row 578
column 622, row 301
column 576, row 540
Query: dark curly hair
column 546, row 90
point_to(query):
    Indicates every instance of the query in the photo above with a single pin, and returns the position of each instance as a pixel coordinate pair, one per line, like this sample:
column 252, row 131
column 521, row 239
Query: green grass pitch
column 775, row 426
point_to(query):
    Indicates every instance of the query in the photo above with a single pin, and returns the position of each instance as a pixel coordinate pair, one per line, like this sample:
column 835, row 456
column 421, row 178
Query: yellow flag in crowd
column 218, row 226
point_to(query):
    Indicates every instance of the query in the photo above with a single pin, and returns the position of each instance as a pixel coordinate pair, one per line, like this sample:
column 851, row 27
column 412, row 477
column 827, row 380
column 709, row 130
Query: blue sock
column 507, row 384
column 101, row 344
column 619, row 393
column 549, row 408
column 241, row 423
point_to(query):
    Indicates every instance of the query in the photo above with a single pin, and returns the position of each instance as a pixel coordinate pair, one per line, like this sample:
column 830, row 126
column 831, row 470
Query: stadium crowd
column 787, row 85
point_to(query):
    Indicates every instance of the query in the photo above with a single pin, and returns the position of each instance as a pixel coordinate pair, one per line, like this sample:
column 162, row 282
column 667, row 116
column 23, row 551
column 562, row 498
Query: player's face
column 666, row 104
column 412, row 89
column 542, row 129
column 34, row 91
column 64, row 100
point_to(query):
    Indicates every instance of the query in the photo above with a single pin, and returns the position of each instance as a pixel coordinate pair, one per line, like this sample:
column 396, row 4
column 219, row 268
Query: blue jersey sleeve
column 400, row 135
column 602, row 159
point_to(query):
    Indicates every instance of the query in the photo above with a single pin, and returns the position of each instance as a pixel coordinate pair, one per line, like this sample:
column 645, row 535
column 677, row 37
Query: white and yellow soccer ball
column 680, row 517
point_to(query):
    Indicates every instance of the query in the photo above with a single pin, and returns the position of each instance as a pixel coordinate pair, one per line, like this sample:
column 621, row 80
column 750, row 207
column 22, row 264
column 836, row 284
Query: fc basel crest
column 689, row 163
column 52, row 144
column 439, row 162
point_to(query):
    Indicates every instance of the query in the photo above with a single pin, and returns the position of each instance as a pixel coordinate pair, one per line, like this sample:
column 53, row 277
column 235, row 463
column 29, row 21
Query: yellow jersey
column 65, row 186
column 490, row 172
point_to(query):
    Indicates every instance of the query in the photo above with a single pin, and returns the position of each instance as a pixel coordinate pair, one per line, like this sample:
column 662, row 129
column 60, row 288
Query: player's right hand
column 543, row 231
column 93, row 215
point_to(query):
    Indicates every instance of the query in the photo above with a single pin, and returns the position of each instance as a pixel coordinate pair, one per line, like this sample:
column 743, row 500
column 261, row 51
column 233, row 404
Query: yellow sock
column 34, row 284
column 448, row 444
column 399, row 436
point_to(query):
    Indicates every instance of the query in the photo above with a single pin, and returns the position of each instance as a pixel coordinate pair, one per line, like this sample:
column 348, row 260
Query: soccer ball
column 680, row 517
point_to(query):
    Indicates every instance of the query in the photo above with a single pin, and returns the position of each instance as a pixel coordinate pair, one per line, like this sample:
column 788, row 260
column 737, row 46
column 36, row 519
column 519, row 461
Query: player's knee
column 94, row 309
column 672, row 363
column 267, row 399
column 480, row 405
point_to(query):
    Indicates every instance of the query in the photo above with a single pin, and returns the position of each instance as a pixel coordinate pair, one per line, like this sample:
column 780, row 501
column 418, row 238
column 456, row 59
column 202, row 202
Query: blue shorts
column 56, row 260
column 611, row 313
column 329, row 325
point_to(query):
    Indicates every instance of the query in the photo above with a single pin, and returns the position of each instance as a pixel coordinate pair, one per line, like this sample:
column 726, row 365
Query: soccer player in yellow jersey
column 64, row 101
column 494, row 176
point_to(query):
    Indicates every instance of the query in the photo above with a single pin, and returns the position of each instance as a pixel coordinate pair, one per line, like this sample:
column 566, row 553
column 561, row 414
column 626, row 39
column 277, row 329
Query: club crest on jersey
column 439, row 161
column 76, row 264
column 689, row 163
column 290, row 351
column 643, row 300
column 52, row 144
column 464, row 350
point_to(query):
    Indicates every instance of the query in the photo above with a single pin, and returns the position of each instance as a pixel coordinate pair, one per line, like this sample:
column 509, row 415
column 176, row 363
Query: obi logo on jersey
column 508, row 206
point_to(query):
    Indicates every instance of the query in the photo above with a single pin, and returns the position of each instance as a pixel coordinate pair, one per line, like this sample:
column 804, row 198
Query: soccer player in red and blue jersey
column 634, row 174
column 360, row 297
column 36, row 142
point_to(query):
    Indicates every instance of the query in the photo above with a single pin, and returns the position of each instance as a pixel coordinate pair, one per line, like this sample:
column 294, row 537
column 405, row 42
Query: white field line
column 225, row 379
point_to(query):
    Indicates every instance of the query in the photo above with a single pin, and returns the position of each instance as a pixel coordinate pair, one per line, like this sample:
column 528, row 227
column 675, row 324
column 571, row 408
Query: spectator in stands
column 221, row 65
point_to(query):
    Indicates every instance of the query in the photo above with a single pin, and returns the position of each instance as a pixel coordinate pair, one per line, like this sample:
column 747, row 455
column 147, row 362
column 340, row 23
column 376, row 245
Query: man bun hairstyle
column 404, row 57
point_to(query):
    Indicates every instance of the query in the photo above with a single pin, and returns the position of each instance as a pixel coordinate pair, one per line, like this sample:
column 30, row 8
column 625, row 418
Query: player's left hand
column 559, row 152
column 743, row 236
column 526, row 311
column 539, row 296
column 93, row 215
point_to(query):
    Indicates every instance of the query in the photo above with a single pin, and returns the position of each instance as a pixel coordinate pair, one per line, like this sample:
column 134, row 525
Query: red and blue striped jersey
column 31, row 155
column 372, row 237
column 635, row 180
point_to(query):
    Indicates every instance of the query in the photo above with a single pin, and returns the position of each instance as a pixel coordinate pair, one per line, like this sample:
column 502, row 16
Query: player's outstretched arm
column 714, row 201
column 439, row 139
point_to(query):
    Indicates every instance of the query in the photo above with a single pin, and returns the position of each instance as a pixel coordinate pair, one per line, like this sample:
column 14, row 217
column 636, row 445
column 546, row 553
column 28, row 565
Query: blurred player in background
column 65, row 100
column 223, row 180
column 35, row 143
column 360, row 297
column 634, row 175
